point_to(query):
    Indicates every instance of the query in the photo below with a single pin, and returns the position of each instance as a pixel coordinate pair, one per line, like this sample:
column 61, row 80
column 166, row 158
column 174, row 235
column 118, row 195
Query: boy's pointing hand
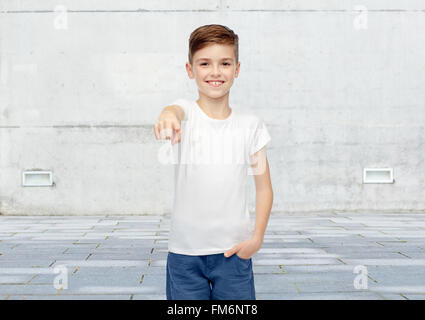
column 168, row 127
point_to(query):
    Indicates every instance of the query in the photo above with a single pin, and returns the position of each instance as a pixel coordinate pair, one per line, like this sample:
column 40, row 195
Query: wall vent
column 37, row 179
column 378, row 175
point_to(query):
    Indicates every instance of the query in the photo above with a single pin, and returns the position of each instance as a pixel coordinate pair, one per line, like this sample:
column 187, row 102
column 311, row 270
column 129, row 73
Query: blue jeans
column 209, row 277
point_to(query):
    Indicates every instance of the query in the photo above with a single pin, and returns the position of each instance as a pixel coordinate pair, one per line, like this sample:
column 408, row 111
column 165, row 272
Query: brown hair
column 212, row 33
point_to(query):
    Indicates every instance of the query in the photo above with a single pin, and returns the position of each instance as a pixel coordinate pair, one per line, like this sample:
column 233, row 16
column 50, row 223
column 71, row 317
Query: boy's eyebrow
column 210, row 59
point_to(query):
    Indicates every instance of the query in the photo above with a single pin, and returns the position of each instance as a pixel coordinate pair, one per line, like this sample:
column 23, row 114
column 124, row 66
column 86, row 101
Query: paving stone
column 149, row 297
column 401, row 289
column 127, row 243
column 47, row 279
column 155, row 281
column 387, row 275
column 411, row 296
column 159, row 263
column 14, row 279
column 346, row 277
column 118, row 256
column 304, row 256
column 42, row 257
column 25, row 270
column 301, row 256
column 365, row 254
column 387, row 262
column 117, row 290
column 288, row 262
column 101, row 263
column 80, row 280
column 63, row 296
column 271, row 283
column 391, row 296
column 22, row 263
column 274, row 269
column 317, row 269
column 141, row 251
column 294, row 243
column 28, row 289
column 320, row 296
column 321, row 285
column 412, row 253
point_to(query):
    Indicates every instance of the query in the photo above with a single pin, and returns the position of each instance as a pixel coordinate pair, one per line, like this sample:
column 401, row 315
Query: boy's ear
column 238, row 67
column 189, row 70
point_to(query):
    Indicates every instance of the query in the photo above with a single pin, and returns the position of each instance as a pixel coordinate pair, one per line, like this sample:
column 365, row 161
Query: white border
column 24, row 173
column 366, row 180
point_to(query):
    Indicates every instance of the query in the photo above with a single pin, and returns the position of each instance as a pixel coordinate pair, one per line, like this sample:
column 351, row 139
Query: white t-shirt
column 212, row 167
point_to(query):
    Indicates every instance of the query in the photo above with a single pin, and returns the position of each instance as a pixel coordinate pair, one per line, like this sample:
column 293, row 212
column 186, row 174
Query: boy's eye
column 225, row 63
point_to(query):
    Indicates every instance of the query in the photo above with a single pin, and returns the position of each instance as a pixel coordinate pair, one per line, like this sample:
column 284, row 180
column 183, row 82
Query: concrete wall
column 340, row 85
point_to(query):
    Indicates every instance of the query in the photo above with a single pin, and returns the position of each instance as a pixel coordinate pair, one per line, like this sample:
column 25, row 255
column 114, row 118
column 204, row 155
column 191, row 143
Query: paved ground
column 320, row 256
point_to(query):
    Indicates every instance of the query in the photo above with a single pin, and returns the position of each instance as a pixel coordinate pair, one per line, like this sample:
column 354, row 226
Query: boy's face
column 214, row 62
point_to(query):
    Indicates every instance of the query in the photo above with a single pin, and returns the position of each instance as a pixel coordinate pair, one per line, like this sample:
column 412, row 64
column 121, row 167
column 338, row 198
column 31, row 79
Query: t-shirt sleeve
column 183, row 103
column 260, row 137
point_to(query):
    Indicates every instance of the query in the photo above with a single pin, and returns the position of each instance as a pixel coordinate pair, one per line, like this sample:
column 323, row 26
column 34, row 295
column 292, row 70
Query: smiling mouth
column 215, row 83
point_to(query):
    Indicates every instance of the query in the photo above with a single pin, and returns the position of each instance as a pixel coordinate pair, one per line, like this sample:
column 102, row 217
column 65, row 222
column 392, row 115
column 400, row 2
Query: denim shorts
column 209, row 277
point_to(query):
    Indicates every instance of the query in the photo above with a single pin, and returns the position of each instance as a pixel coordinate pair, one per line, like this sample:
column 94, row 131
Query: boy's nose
column 216, row 71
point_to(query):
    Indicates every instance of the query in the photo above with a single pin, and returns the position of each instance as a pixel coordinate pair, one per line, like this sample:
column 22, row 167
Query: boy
column 211, row 243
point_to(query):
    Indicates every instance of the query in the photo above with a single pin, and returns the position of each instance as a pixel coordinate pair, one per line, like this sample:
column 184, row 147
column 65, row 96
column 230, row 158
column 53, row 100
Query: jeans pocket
column 243, row 259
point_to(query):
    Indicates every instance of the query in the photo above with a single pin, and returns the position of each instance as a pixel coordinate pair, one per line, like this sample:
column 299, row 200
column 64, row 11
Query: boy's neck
column 215, row 108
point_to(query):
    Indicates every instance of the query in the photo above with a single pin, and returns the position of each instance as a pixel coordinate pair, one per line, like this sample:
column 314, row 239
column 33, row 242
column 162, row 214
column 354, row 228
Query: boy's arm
column 264, row 192
column 176, row 109
column 264, row 201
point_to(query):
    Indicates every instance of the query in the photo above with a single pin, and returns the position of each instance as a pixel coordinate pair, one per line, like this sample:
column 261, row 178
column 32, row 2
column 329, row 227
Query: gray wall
column 340, row 89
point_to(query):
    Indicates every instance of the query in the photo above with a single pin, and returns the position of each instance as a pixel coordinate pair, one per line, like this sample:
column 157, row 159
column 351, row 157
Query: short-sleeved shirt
column 212, row 167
